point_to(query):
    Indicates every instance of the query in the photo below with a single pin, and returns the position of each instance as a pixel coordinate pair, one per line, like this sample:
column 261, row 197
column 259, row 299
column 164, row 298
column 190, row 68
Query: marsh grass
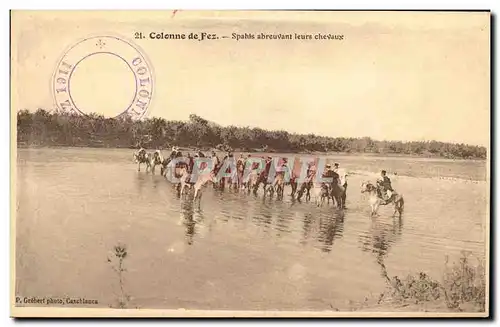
column 462, row 288
column 464, row 283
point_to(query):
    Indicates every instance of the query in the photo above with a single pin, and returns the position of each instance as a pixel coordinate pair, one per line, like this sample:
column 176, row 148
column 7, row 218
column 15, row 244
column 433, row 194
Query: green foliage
column 57, row 129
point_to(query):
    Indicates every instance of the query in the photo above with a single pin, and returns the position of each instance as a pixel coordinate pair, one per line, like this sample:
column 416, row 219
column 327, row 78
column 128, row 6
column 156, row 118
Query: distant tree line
column 43, row 128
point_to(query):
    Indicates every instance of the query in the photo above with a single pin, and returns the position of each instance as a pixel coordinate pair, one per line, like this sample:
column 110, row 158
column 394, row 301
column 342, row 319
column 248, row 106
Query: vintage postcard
column 250, row 163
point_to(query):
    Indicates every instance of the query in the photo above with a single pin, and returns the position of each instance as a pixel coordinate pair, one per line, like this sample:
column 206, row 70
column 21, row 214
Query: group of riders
column 335, row 174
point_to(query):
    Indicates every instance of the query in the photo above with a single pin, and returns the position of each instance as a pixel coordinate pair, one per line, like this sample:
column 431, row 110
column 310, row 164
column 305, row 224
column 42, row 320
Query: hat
column 383, row 172
column 336, row 164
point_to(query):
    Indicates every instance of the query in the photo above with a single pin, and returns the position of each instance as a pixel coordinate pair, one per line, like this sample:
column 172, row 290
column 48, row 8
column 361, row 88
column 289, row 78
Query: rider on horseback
column 342, row 178
column 332, row 174
column 141, row 154
column 241, row 161
column 281, row 168
column 384, row 185
column 311, row 171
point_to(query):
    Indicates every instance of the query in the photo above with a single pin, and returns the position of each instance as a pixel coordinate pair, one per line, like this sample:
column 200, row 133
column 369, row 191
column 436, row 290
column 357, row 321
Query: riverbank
column 272, row 153
column 43, row 128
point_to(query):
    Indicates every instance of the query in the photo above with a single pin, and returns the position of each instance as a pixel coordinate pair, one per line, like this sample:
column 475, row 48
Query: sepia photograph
column 186, row 163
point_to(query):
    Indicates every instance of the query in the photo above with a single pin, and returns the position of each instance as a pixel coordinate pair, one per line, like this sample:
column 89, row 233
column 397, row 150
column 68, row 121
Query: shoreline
column 354, row 171
column 237, row 151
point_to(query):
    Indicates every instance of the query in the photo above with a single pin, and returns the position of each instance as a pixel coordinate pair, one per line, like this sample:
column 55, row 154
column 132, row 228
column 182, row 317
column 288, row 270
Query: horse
column 172, row 169
column 375, row 199
column 321, row 192
column 232, row 179
column 156, row 159
column 337, row 193
column 278, row 185
column 294, row 185
column 261, row 179
column 185, row 181
column 240, row 169
column 202, row 180
column 306, row 186
column 142, row 157
column 251, row 181
column 164, row 165
column 343, row 183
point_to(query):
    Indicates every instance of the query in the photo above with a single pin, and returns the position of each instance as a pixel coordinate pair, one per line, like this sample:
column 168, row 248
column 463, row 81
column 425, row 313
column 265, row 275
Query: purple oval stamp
column 104, row 75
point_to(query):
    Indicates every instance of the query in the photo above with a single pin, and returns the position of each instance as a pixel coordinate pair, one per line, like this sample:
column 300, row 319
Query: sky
column 394, row 76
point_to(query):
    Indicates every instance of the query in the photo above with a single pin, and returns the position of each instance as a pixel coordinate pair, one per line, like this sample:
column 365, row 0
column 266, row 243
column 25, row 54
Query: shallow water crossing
column 233, row 251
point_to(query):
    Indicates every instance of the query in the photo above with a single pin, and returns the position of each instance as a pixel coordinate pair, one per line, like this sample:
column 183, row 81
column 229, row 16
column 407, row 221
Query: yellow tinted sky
column 395, row 76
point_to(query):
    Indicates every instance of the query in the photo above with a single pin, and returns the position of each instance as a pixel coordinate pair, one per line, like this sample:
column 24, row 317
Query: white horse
column 203, row 178
column 250, row 180
column 183, row 180
column 201, row 181
column 376, row 201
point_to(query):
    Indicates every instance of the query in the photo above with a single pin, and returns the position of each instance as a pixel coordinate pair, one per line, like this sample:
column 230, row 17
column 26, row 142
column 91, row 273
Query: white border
column 146, row 4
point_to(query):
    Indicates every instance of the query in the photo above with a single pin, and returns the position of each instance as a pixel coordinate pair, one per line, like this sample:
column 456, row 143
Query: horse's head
column 324, row 189
column 367, row 187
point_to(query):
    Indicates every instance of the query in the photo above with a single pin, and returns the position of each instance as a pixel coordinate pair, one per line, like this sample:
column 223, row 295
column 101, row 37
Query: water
column 234, row 251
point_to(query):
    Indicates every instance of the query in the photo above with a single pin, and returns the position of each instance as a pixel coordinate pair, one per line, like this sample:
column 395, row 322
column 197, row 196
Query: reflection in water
column 381, row 236
column 190, row 218
column 140, row 182
column 157, row 181
column 330, row 228
column 267, row 219
column 306, row 228
column 264, row 215
column 283, row 219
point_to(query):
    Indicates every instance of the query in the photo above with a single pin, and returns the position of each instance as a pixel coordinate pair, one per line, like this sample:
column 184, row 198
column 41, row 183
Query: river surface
column 235, row 251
